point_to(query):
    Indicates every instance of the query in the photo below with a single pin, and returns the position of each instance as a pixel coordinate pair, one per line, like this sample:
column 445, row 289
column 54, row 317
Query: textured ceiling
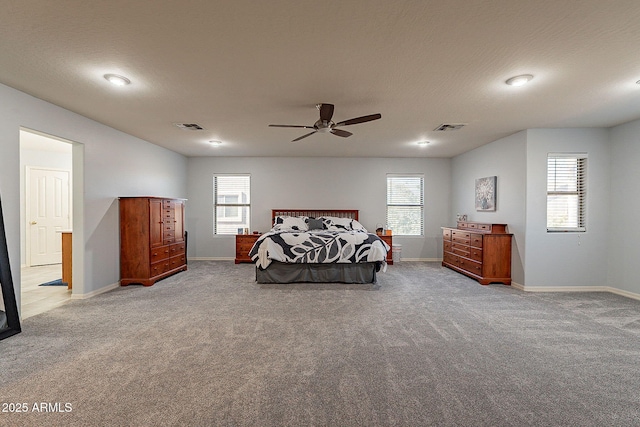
column 234, row 67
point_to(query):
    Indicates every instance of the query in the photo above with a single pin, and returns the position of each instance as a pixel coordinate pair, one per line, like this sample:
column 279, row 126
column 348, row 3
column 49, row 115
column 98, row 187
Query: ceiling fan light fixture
column 520, row 80
column 423, row 143
column 117, row 80
column 215, row 143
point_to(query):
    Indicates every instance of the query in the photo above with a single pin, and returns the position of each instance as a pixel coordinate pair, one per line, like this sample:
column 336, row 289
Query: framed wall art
column 486, row 194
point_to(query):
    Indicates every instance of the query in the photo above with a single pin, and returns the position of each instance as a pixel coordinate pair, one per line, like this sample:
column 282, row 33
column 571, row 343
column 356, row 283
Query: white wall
column 624, row 242
column 114, row 164
column 505, row 159
column 568, row 259
column 542, row 259
column 316, row 183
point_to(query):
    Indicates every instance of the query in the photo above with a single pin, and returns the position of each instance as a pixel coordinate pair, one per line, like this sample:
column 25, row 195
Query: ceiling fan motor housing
column 323, row 126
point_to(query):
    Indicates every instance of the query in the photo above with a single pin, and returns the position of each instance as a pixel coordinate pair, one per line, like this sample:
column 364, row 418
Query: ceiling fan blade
column 340, row 132
column 303, row 136
column 326, row 112
column 291, row 126
column 359, row 120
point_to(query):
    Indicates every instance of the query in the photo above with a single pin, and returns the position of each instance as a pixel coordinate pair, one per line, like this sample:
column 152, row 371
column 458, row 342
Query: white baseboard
column 624, row 293
column 420, row 259
column 613, row 290
column 96, row 292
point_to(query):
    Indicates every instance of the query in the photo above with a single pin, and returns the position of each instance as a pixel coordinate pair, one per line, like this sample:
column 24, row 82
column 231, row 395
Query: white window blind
column 566, row 191
column 405, row 204
column 232, row 203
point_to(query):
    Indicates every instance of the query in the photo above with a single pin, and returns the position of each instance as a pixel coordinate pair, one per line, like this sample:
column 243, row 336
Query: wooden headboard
column 315, row 213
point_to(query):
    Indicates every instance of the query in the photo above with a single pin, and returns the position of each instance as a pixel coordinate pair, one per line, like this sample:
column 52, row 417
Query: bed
column 318, row 246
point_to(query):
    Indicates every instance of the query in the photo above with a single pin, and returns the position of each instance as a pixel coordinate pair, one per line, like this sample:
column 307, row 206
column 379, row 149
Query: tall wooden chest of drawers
column 480, row 251
column 152, row 244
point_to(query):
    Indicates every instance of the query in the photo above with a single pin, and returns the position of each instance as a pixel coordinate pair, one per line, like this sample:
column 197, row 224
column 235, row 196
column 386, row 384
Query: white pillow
column 290, row 223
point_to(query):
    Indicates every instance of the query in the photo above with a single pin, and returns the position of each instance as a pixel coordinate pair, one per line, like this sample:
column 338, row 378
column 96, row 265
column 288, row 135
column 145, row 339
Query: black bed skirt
column 278, row 272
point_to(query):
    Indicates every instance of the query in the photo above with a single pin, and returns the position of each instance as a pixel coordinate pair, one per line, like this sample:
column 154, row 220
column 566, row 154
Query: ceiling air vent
column 445, row 127
column 189, row 126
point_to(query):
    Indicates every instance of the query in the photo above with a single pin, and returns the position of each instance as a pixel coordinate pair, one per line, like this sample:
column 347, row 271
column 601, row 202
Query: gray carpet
column 423, row 347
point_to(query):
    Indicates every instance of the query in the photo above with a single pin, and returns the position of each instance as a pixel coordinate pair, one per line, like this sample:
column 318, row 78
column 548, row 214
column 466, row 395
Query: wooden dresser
column 244, row 243
column 479, row 250
column 152, row 243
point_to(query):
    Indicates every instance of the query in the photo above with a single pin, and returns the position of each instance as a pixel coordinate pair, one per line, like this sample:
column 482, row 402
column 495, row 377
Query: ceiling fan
column 325, row 125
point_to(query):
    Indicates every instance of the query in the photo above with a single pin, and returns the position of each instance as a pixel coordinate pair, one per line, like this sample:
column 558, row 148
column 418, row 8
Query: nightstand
column 244, row 243
column 389, row 241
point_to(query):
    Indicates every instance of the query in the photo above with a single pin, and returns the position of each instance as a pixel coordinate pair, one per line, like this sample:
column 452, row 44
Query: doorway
column 46, row 165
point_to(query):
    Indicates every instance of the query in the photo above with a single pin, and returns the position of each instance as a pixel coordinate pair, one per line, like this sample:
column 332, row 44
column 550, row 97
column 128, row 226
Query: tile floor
column 38, row 299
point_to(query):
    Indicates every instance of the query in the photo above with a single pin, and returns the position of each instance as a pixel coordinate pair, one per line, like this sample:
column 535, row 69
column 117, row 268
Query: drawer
column 449, row 258
column 177, row 261
column 470, row 266
column 246, row 240
column 484, row 227
column 168, row 225
column 460, row 234
column 462, row 224
column 461, row 251
column 158, row 268
column 446, row 233
column 476, row 240
column 461, row 240
column 177, row 249
column 168, row 214
column 447, row 246
column 475, row 254
column 472, row 226
column 244, row 246
column 167, row 204
column 159, row 253
column 458, row 245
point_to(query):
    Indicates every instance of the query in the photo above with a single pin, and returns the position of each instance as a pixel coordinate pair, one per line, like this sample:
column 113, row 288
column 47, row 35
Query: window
column 405, row 204
column 232, row 203
column 566, row 191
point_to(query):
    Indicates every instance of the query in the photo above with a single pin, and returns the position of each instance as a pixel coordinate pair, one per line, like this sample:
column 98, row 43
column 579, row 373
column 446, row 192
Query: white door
column 48, row 213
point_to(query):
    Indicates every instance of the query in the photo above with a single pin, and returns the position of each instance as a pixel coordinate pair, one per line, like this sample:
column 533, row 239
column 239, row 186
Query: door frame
column 77, row 196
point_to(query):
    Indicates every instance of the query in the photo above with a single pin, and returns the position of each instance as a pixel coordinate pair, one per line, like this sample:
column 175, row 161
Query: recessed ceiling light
column 519, row 80
column 423, row 143
column 215, row 143
column 117, row 80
